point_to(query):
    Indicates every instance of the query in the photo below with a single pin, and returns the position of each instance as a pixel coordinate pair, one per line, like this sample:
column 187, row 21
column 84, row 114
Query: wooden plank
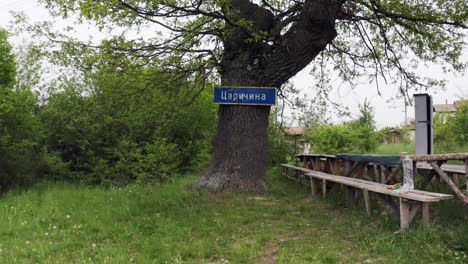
column 452, row 185
column 381, row 188
column 437, row 157
column 367, row 202
column 296, row 168
column 404, row 214
column 425, row 214
column 454, row 169
column 442, row 196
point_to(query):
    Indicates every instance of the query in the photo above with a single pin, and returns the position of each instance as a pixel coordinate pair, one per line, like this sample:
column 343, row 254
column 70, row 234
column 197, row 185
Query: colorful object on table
column 395, row 186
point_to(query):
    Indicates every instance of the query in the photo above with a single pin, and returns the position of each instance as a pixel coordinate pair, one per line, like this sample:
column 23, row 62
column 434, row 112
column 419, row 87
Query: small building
column 395, row 136
column 446, row 109
column 297, row 133
column 411, row 128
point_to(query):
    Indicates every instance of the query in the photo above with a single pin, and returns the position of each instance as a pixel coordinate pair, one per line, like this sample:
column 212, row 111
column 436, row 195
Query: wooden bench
column 410, row 202
column 298, row 172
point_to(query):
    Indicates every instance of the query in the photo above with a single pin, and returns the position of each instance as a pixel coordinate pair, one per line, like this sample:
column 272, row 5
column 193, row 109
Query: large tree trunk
column 240, row 148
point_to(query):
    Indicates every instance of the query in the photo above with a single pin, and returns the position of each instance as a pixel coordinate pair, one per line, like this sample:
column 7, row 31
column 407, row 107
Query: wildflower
column 47, row 233
column 54, row 227
column 27, row 242
column 94, row 245
column 68, row 216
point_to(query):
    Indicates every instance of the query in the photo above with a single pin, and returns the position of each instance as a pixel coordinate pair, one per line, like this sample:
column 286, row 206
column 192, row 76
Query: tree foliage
column 7, row 62
column 451, row 130
column 20, row 130
column 118, row 127
column 375, row 39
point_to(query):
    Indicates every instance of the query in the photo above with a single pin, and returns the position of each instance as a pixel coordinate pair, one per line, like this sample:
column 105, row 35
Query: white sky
column 386, row 113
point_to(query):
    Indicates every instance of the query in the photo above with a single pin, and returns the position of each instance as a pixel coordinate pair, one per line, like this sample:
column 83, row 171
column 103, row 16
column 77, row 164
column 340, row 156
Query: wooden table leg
column 314, row 186
column 425, row 214
column 367, row 202
column 324, row 188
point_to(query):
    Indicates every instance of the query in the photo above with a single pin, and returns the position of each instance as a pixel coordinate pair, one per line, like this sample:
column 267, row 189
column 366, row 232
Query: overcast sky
column 387, row 113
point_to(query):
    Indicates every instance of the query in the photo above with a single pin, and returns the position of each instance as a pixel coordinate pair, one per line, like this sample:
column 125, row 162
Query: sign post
column 245, row 95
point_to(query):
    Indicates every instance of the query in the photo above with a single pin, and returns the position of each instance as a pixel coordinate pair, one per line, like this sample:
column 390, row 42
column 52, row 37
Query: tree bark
column 240, row 147
column 240, row 150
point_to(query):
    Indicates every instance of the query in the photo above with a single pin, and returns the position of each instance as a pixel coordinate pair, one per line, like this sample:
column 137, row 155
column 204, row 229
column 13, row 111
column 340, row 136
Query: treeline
column 113, row 124
column 111, row 127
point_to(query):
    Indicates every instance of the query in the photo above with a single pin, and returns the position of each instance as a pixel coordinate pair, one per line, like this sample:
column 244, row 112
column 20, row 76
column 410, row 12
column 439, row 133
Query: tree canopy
column 377, row 39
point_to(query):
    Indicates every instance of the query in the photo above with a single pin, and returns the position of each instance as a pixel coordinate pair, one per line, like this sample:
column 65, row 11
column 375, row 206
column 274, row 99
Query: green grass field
column 57, row 223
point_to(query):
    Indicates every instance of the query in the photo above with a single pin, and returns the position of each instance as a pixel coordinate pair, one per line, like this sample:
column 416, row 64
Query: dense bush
column 357, row 136
column 107, row 124
column 123, row 128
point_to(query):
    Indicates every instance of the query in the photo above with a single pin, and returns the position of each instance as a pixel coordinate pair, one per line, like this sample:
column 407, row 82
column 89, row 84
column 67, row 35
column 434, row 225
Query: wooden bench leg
column 367, row 202
column 404, row 214
column 409, row 211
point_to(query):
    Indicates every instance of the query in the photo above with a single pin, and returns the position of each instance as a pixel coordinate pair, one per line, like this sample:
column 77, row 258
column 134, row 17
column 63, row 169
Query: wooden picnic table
column 387, row 168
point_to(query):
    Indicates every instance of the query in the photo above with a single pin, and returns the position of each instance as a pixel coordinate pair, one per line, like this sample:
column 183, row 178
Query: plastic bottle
column 408, row 174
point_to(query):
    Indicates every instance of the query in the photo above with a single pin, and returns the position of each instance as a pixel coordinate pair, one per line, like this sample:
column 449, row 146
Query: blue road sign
column 245, row 95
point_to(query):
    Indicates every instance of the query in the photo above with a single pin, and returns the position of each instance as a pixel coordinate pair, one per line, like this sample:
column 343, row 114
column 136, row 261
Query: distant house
column 448, row 109
column 445, row 108
column 411, row 128
column 297, row 133
column 395, row 136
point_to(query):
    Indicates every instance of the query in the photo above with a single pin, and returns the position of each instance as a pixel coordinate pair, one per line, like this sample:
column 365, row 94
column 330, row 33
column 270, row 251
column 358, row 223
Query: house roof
column 410, row 126
column 445, row 108
column 295, row 131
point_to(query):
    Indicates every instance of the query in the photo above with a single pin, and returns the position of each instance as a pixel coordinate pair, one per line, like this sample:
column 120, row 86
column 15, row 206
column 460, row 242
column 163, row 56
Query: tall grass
column 60, row 223
column 396, row 149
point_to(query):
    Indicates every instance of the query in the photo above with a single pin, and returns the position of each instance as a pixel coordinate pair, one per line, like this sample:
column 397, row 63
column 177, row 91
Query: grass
column 410, row 148
column 59, row 223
